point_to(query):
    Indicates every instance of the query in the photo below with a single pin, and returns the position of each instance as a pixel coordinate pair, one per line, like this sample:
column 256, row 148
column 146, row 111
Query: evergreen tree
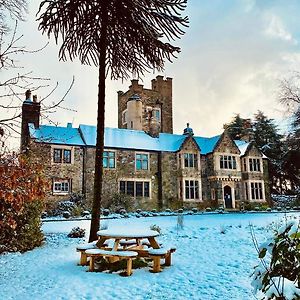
column 239, row 128
column 266, row 135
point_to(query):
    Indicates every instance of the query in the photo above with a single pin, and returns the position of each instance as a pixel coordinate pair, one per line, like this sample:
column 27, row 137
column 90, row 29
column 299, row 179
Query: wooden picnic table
column 129, row 251
column 118, row 235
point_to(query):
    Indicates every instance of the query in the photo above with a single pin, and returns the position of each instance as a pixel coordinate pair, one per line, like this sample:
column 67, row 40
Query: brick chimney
column 30, row 114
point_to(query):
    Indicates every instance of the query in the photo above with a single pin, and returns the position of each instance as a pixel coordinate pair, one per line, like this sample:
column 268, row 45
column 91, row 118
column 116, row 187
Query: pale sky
column 233, row 54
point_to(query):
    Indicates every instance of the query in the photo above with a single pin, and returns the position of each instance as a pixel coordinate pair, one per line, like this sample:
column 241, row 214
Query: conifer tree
column 120, row 37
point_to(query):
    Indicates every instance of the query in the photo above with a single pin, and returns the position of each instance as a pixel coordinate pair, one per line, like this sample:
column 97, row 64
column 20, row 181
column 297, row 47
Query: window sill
column 61, row 193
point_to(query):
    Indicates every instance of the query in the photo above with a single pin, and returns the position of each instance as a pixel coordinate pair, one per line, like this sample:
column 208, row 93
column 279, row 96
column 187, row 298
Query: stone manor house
column 144, row 159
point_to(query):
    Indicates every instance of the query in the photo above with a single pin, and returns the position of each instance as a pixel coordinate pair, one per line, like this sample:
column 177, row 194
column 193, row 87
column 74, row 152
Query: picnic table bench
column 126, row 245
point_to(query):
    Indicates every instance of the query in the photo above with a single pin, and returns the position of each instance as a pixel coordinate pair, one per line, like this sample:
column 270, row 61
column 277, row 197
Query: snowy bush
column 77, row 232
column 118, row 202
column 278, row 274
column 155, row 228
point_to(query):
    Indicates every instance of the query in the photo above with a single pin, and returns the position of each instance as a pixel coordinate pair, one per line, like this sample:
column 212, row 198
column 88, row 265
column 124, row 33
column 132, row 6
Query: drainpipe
column 83, row 172
column 159, row 179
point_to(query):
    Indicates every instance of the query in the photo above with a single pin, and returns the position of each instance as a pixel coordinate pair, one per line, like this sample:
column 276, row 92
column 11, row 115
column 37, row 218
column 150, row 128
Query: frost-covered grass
column 214, row 259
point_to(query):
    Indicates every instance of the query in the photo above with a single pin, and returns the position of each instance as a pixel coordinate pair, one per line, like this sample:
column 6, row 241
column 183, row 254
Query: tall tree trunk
column 95, row 222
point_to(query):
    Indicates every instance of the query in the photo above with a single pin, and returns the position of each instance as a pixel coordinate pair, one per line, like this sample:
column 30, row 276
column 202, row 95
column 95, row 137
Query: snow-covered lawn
column 208, row 264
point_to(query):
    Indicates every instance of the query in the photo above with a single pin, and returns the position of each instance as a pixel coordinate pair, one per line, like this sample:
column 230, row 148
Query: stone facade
column 197, row 171
column 158, row 98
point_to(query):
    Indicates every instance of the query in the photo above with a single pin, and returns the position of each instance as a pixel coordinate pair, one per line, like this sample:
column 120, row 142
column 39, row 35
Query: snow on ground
column 207, row 265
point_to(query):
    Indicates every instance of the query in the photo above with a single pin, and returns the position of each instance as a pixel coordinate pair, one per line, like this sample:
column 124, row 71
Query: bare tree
column 289, row 95
column 120, row 37
column 14, row 82
column 14, row 9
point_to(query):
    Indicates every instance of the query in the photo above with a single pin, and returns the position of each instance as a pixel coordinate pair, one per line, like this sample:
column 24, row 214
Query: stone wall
column 74, row 171
column 125, row 170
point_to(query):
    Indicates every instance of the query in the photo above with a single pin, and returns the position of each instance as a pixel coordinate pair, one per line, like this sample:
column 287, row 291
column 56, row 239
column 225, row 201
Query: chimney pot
column 28, row 95
column 34, row 98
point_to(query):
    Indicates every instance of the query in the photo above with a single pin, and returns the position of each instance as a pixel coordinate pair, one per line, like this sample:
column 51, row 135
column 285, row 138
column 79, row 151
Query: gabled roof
column 206, row 144
column 85, row 135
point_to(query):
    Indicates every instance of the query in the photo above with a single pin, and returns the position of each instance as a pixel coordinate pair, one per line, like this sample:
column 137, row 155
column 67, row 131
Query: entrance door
column 227, row 196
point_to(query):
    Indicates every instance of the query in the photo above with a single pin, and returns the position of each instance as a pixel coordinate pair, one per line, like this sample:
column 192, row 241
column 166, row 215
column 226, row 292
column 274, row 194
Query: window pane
column 122, row 187
column 187, row 189
column 145, row 165
column 57, row 155
column 111, row 162
column 57, row 186
column 139, row 188
column 192, row 190
column 229, row 162
column 191, row 160
column 195, row 161
column 105, row 162
column 250, row 164
column 111, row 154
column 138, row 165
column 260, row 191
column 186, row 160
column 67, row 156
column 146, row 189
column 130, row 188
column 252, row 191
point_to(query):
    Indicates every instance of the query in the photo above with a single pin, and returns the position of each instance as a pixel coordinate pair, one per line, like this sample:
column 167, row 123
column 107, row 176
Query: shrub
column 278, row 275
column 77, row 232
column 120, row 201
column 22, row 189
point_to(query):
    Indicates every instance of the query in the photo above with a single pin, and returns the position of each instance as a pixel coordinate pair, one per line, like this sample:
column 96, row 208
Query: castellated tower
column 147, row 109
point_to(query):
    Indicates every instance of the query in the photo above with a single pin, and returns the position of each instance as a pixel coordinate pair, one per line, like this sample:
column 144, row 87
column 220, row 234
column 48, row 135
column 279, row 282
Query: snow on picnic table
column 207, row 264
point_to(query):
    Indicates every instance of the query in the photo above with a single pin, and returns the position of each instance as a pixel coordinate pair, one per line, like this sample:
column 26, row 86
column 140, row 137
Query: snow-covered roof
column 242, row 145
column 56, row 135
column 85, row 135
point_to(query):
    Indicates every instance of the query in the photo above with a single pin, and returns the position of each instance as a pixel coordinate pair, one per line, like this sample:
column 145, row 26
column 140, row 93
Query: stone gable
column 226, row 145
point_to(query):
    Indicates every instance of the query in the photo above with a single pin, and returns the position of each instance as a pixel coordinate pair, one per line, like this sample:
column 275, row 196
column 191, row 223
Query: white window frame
column 148, row 161
column 248, row 190
column 115, row 159
column 62, row 148
column 255, row 159
column 233, row 161
column 195, row 163
column 184, row 188
column 65, row 182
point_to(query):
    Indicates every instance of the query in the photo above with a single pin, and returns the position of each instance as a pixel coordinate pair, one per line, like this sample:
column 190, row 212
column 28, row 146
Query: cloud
column 276, row 29
column 232, row 56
